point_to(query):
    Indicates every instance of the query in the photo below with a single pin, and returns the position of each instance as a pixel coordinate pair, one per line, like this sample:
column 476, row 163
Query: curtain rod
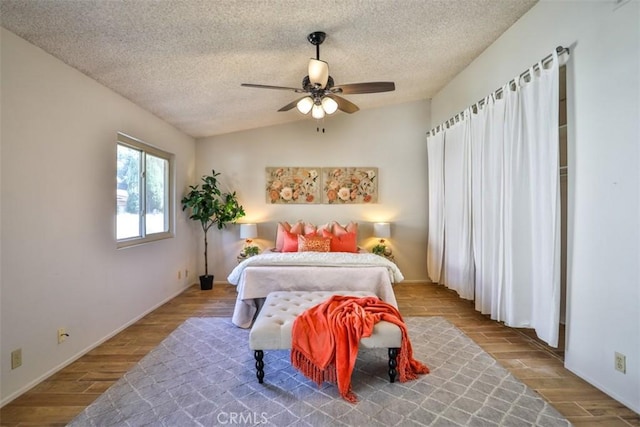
column 450, row 122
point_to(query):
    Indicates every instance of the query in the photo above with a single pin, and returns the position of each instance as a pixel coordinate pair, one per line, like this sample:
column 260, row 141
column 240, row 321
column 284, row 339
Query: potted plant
column 250, row 251
column 210, row 206
column 379, row 249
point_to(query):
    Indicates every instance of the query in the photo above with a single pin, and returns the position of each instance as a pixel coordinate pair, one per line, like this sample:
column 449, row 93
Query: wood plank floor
column 55, row 401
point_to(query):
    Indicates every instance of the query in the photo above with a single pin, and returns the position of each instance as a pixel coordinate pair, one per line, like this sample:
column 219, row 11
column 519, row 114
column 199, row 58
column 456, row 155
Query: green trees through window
column 143, row 192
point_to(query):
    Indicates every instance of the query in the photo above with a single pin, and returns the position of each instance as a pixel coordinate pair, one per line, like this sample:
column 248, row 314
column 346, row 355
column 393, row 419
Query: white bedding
column 257, row 276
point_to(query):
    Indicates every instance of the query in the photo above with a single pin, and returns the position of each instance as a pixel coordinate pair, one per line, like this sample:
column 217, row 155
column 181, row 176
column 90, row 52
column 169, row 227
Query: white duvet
column 317, row 259
column 259, row 275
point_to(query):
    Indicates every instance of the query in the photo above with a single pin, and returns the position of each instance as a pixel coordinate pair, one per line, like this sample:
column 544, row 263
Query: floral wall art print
column 298, row 185
column 349, row 185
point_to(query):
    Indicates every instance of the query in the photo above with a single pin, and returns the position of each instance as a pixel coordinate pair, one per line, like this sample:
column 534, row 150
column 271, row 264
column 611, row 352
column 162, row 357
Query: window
column 144, row 193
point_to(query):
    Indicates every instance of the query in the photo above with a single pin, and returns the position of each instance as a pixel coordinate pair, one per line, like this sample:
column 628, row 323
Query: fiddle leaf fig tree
column 210, row 207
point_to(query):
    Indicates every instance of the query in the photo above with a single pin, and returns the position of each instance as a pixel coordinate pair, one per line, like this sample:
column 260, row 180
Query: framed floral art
column 293, row 185
column 343, row 185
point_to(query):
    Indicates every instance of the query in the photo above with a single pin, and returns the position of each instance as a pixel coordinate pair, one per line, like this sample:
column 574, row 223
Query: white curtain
column 435, row 245
column 502, row 205
column 487, row 200
column 532, row 205
column 458, row 266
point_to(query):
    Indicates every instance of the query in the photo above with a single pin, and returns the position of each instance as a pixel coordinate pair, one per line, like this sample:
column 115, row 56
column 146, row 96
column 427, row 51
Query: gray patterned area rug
column 203, row 375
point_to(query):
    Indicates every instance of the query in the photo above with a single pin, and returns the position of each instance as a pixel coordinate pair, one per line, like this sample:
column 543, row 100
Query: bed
column 257, row 276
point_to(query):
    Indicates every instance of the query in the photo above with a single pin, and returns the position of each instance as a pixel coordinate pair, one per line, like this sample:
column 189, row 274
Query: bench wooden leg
column 259, row 355
column 393, row 363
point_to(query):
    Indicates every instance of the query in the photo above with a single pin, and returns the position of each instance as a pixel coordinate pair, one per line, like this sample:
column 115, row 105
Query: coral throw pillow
column 282, row 227
column 290, row 242
column 281, row 234
column 344, row 243
column 339, row 230
column 313, row 243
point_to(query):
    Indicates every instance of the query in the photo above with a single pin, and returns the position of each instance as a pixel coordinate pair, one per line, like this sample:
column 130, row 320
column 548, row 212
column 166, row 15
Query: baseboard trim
column 81, row 353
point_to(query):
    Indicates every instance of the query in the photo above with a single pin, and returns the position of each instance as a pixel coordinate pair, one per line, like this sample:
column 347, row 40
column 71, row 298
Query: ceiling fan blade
column 272, row 87
column 291, row 105
column 344, row 105
column 318, row 72
column 370, row 87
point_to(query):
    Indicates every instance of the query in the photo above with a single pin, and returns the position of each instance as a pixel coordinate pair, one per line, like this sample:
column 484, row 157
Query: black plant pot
column 206, row 282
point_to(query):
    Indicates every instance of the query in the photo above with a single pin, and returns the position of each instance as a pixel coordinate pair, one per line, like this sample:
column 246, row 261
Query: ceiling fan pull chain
column 319, row 122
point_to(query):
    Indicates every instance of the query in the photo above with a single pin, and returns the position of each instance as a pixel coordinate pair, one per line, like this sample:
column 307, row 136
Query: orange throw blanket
column 325, row 340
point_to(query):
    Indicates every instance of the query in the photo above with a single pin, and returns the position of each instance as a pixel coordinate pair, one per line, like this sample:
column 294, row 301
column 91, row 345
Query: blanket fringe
column 311, row 370
column 319, row 375
column 408, row 367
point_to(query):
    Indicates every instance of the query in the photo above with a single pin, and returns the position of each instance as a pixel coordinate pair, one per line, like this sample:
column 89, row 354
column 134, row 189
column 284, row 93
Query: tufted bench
column 272, row 328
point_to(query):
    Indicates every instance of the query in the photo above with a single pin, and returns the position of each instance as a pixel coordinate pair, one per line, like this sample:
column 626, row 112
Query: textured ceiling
column 185, row 60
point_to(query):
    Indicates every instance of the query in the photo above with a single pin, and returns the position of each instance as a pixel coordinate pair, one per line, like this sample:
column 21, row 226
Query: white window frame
column 129, row 141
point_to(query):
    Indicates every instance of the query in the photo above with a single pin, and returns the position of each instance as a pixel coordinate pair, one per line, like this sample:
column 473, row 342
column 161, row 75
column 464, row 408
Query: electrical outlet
column 186, row 273
column 179, row 274
column 621, row 362
column 62, row 335
column 16, row 358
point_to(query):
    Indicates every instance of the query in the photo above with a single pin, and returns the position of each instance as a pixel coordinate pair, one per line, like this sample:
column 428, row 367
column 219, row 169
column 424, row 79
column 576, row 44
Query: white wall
column 604, row 167
column 391, row 138
column 60, row 265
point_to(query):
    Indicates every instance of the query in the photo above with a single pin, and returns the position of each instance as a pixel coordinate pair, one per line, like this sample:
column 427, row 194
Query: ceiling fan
column 321, row 95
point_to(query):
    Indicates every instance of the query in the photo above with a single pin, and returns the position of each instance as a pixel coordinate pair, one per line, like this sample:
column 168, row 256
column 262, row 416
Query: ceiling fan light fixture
column 317, row 112
column 329, row 105
column 318, row 72
column 322, row 96
column 305, row 105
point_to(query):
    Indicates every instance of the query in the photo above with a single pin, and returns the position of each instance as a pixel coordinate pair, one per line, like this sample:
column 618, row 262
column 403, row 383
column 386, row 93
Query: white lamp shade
column 382, row 230
column 248, row 231
column 318, row 72
column 305, row 105
column 330, row 105
column 317, row 112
